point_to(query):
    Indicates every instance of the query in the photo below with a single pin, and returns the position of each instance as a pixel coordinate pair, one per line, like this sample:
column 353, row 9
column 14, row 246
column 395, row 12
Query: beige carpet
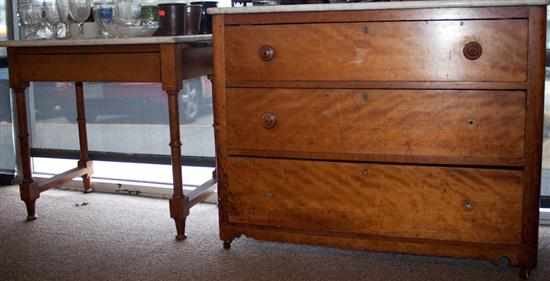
column 119, row 237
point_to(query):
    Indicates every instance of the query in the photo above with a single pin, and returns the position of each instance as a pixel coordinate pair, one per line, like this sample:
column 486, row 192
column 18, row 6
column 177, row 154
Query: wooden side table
column 165, row 60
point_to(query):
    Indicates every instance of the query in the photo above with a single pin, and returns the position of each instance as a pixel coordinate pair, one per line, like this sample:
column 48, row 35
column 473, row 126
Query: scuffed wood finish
column 461, row 124
column 373, row 130
column 470, row 205
column 379, row 51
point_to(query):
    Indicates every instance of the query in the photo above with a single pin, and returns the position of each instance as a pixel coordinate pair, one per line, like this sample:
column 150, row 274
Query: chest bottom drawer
column 443, row 203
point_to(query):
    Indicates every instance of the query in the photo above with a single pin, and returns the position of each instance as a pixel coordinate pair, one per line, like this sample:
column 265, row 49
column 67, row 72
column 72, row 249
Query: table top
column 375, row 6
column 202, row 38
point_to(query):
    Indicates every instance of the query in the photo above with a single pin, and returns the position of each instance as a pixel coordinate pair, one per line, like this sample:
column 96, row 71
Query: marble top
column 375, row 6
column 202, row 38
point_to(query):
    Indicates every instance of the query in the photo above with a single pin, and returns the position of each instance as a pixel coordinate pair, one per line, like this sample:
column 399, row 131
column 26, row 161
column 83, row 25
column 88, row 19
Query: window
column 125, row 122
column 123, row 118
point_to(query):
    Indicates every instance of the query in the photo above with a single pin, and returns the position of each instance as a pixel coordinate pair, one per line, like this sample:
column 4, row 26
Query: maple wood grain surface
column 482, row 124
column 379, row 130
column 474, row 205
column 379, row 51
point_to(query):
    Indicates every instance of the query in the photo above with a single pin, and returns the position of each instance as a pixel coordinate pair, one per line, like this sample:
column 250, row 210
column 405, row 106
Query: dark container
column 206, row 19
column 170, row 20
column 192, row 19
column 178, row 19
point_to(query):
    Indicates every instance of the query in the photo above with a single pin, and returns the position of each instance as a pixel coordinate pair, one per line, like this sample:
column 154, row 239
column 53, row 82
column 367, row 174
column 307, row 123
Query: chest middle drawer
column 483, row 126
column 472, row 51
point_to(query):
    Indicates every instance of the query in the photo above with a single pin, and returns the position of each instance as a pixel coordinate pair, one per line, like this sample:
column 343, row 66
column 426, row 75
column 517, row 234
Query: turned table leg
column 84, row 161
column 28, row 194
column 179, row 204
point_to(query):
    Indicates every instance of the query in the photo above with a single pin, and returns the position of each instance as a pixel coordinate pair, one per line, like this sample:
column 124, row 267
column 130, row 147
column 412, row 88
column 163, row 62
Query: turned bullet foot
column 87, row 183
column 31, row 210
column 227, row 245
column 180, row 229
column 181, row 237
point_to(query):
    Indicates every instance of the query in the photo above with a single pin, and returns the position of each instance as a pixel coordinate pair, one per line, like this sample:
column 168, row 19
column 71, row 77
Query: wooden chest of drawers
column 407, row 130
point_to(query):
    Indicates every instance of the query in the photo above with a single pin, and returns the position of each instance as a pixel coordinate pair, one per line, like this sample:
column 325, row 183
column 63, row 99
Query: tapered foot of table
column 179, row 210
column 31, row 209
column 180, row 228
column 87, row 184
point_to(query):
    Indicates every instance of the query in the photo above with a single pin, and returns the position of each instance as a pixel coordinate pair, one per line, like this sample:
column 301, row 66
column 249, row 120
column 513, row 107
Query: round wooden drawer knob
column 269, row 120
column 472, row 50
column 468, row 204
column 267, row 53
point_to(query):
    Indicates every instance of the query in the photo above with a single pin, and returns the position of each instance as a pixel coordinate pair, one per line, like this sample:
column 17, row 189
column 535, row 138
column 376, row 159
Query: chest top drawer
column 471, row 51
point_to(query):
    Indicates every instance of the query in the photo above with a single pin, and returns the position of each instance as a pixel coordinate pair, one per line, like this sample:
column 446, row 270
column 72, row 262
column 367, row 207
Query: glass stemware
column 63, row 13
column 127, row 12
column 52, row 16
column 24, row 10
column 80, row 11
column 38, row 21
column 103, row 16
column 31, row 19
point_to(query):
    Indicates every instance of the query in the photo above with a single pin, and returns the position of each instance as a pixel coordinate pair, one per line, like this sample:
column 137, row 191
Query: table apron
column 120, row 67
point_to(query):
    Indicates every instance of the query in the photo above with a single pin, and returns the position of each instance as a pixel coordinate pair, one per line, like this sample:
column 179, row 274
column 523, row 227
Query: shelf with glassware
column 87, row 19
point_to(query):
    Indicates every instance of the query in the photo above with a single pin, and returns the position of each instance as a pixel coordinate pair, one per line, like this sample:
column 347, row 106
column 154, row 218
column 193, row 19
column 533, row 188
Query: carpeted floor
column 118, row 237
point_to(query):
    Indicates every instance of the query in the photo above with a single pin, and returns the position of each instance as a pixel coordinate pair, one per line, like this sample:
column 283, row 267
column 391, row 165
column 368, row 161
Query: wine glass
column 127, row 12
column 52, row 16
column 30, row 17
column 80, row 11
column 24, row 11
column 63, row 13
column 41, row 30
